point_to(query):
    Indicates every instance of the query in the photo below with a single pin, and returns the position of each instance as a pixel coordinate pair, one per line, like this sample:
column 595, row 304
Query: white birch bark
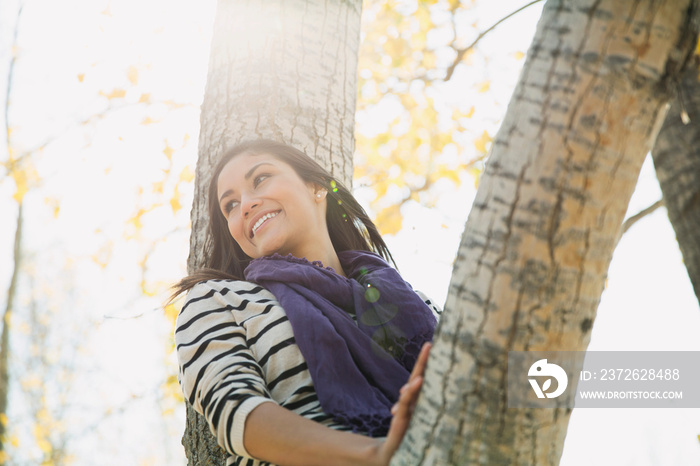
column 538, row 242
column 283, row 70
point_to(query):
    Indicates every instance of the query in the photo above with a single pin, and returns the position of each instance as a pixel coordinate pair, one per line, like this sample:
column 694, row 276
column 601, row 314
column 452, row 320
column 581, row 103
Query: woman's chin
column 272, row 249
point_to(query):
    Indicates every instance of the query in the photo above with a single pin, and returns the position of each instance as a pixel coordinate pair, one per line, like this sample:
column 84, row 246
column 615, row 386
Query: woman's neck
column 326, row 255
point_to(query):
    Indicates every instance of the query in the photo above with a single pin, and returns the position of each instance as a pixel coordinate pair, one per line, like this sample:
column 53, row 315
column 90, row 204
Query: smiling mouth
column 260, row 221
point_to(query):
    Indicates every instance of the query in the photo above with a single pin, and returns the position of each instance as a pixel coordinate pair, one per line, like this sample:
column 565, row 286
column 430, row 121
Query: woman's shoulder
column 225, row 294
column 225, row 287
column 221, row 303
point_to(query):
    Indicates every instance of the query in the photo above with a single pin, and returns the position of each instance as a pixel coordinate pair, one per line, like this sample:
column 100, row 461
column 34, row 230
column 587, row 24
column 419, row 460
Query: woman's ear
column 320, row 193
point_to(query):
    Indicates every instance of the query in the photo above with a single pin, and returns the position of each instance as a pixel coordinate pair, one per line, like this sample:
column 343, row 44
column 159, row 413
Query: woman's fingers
column 408, row 393
column 403, row 409
column 421, row 361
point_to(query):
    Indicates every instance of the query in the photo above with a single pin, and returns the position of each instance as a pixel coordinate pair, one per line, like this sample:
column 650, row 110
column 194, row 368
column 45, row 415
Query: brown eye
column 229, row 206
column 259, row 179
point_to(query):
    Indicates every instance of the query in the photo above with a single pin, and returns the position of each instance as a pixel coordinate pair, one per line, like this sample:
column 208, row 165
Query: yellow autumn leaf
column 115, row 94
column 53, row 203
column 444, row 172
column 171, row 312
column 44, row 445
column 480, row 144
column 424, row 18
column 429, row 59
column 476, row 174
column 3, row 419
column 96, row 259
column 175, row 201
column 148, row 121
column 518, row 55
column 168, row 151
column 136, row 219
column 483, row 87
column 144, row 98
column 470, row 113
column 81, row 77
column 172, row 103
column 389, row 220
column 132, row 75
column 24, row 177
column 186, row 175
column 145, row 289
column 171, row 389
column 20, row 185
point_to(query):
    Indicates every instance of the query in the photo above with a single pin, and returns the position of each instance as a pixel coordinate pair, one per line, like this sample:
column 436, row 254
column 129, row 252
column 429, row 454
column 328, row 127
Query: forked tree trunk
column 676, row 157
column 538, row 242
column 283, row 70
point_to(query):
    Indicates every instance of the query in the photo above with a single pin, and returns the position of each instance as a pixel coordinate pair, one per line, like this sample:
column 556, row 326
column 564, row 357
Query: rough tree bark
column 284, row 70
column 538, row 242
column 676, row 156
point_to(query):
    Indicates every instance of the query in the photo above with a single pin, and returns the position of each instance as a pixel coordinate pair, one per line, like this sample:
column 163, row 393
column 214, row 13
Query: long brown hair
column 349, row 226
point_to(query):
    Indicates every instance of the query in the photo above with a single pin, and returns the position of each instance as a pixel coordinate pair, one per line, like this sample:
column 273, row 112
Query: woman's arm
column 221, row 378
column 219, row 373
column 275, row 434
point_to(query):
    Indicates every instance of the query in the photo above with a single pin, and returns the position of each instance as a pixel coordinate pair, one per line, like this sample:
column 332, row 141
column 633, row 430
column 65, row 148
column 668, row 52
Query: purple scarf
column 357, row 368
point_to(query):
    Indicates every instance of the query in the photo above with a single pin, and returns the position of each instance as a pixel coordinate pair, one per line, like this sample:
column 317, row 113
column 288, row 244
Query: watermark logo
column 603, row 379
column 542, row 368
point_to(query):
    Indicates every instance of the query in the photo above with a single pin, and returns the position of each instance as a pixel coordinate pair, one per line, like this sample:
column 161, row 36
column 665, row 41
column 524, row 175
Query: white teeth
column 261, row 220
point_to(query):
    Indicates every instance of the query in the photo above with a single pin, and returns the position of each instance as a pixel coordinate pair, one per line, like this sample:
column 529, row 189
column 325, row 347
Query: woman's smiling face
column 269, row 208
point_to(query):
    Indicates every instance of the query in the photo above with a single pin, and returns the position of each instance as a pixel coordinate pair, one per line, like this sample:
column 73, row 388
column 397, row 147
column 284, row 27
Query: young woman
column 298, row 343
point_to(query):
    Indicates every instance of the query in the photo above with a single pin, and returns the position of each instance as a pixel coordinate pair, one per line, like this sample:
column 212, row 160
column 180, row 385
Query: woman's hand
column 403, row 409
column 275, row 434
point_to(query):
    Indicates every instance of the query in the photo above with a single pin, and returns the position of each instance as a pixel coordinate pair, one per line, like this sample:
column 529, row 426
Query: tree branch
column 10, row 74
column 463, row 51
column 627, row 224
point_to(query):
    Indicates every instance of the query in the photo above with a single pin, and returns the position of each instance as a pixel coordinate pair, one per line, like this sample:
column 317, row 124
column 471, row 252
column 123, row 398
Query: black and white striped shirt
column 236, row 350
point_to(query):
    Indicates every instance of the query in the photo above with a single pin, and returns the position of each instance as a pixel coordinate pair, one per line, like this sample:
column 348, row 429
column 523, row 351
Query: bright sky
column 85, row 260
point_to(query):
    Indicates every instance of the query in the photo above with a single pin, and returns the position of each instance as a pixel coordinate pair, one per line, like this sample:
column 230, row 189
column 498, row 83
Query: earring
column 321, row 193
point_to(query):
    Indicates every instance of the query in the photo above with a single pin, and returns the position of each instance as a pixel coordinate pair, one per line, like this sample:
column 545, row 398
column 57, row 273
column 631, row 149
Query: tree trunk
column 283, row 70
column 5, row 335
column 538, row 242
column 676, row 157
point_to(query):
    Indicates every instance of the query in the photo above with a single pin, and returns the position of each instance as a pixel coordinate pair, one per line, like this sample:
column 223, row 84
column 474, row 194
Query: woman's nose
column 248, row 205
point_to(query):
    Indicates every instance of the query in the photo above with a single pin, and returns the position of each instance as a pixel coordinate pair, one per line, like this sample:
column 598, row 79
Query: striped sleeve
column 219, row 373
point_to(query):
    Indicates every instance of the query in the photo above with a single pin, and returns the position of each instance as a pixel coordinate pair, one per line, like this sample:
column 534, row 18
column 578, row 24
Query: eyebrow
column 246, row 176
